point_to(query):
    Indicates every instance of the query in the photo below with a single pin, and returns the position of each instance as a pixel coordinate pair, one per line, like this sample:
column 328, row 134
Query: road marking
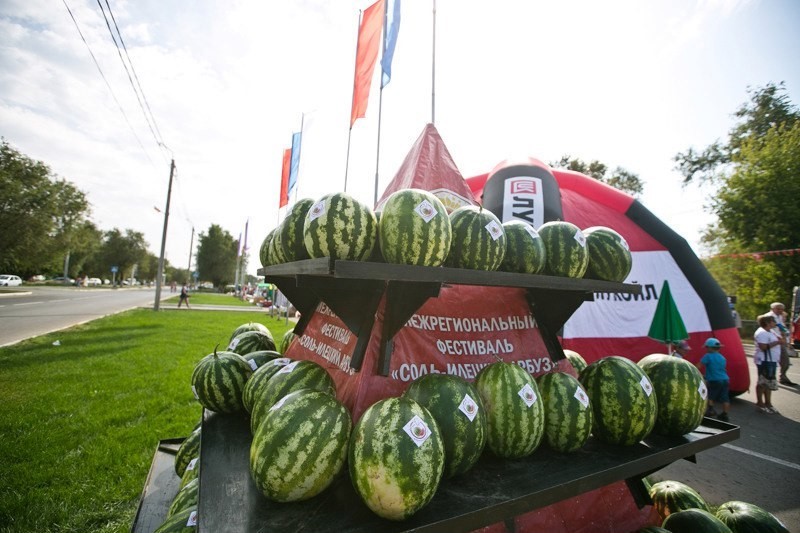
column 28, row 303
column 762, row 456
column 56, row 301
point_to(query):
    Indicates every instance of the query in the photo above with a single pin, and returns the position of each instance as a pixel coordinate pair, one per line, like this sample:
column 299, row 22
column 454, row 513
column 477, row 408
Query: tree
column 619, row 178
column 123, row 250
column 216, row 256
column 41, row 216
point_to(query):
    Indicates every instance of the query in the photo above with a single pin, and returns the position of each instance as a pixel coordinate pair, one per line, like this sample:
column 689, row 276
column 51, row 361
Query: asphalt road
column 37, row 310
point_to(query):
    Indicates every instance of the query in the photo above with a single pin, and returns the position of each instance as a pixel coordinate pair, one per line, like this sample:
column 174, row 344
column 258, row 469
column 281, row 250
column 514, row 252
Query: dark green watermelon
column 694, row 521
column 479, row 240
column 609, row 254
column 743, row 517
column 565, row 249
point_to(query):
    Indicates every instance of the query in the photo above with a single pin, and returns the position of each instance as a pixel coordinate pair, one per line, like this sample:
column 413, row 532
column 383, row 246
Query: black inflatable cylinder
column 523, row 190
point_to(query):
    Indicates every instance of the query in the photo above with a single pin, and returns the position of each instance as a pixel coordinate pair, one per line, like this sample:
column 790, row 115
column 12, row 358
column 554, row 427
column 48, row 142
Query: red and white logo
column 523, row 200
column 523, row 186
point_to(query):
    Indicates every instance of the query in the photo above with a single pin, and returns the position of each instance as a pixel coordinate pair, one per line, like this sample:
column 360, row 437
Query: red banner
column 287, row 161
column 369, row 38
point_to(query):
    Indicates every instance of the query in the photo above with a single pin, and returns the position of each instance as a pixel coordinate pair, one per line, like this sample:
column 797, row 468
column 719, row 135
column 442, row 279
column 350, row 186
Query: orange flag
column 287, row 163
column 369, row 38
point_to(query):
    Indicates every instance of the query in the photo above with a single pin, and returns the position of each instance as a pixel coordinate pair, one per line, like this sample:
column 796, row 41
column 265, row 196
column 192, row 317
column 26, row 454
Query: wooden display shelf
column 160, row 488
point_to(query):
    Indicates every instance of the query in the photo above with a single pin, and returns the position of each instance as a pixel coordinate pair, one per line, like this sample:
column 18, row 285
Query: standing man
column 778, row 311
column 680, row 349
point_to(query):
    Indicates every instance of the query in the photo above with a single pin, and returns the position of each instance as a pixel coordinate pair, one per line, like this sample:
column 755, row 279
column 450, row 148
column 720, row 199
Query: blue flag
column 295, row 164
column 390, row 40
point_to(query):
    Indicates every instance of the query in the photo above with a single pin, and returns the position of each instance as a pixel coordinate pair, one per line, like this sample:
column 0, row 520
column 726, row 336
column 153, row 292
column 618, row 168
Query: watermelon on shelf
column 609, row 254
column 291, row 238
column 525, row 251
column 743, row 517
column 622, row 398
column 188, row 450
column 673, row 496
column 218, row 381
column 567, row 412
column 514, row 410
column 414, row 229
column 249, row 326
column 694, row 521
column 457, row 408
column 340, row 227
column 186, row 497
column 565, row 249
column 396, row 457
column 259, row 358
column 263, row 251
column 300, row 446
column 252, row 341
column 479, row 240
column 181, row 522
column 287, row 339
column 259, row 380
column 576, row 360
column 680, row 390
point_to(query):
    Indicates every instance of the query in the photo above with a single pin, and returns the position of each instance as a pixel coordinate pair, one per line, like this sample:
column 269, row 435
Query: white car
column 7, row 280
column 94, row 281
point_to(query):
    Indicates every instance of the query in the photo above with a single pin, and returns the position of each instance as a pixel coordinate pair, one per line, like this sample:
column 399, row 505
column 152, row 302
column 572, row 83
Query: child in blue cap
column 712, row 364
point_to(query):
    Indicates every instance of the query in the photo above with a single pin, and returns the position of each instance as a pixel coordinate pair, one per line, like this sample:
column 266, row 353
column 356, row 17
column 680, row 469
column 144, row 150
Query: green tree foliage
column 123, row 250
column 619, row 178
column 216, row 256
column 41, row 217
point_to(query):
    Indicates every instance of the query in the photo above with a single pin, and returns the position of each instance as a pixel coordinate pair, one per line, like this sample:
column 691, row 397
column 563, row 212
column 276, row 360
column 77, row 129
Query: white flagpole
column 352, row 102
column 380, row 110
column 433, row 69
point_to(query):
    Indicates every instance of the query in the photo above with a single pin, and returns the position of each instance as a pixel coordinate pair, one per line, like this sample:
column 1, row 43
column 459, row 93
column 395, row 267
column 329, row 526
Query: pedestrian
column 766, row 356
column 712, row 364
column 778, row 311
column 737, row 320
column 184, row 297
column 680, row 349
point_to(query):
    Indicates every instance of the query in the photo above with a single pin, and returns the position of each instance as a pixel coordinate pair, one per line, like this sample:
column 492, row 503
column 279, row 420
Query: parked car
column 38, row 277
column 62, row 279
column 94, row 281
column 9, row 280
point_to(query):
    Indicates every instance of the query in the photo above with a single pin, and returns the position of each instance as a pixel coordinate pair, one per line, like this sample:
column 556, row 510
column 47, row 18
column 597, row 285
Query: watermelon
column 525, row 251
column 259, row 379
column 576, row 360
column 263, row 252
column 396, row 457
column 743, row 517
column 218, row 380
column 291, row 377
column 622, row 398
column 188, row 450
column 609, row 254
column 414, row 229
column 252, row 341
column 376, row 256
column 275, row 251
column 340, row 227
column 248, row 326
column 185, row 498
column 192, row 472
column 680, row 391
column 287, row 339
column 694, row 521
column 565, row 249
column 673, row 496
column 291, row 231
column 300, row 446
column 514, row 410
column 479, row 240
column 259, row 358
column 567, row 413
column 182, row 522
column 457, row 408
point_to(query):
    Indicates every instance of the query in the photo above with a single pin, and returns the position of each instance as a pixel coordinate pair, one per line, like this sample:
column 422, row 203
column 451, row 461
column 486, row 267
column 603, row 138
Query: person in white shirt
column 778, row 311
column 766, row 356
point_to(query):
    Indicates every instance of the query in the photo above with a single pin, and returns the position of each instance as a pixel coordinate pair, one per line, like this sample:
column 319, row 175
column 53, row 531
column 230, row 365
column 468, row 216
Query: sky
column 628, row 83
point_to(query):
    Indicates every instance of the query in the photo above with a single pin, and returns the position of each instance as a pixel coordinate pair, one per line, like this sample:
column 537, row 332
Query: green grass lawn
column 80, row 422
column 210, row 298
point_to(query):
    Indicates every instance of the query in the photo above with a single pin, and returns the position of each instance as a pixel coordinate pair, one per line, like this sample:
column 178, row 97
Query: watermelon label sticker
column 191, row 464
column 647, row 387
column 581, row 396
column 192, row 519
column 703, row 390
column 281, row 361
column 425, row 210
column 468, row 407
column 287, row 368
column 194, row 391
column 527, row 394
column 279, row 403
column 494, row 229
column 581, row 238
column 253, row 364
column 418, row 430
column 234, row 343
column 317, row 210
column 532, row 232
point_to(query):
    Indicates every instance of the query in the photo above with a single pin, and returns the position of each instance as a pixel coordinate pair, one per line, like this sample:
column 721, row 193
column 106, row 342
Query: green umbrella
column 667, row 325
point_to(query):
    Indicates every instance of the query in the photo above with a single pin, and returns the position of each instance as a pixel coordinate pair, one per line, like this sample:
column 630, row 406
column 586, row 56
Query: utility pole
column 157, row 303
column 191, row 245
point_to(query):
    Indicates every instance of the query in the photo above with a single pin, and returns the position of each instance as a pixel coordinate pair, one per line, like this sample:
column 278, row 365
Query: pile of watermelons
column 413, row 228
column 404, row 446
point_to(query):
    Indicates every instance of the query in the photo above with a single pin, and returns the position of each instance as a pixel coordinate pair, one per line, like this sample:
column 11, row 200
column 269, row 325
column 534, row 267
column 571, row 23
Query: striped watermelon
column 185, row 498
column 287, row 339
column 565, row 249
column 457, row 408
column 252, row 341
column 479, row 240
column 623, row 400
column 514, row 410
column 263, row 252
column 340, row 227
column 218, row 380
column 567, row 413
column 275, row 251
column 180, row 522
column 291, row 231
column 673, row 496
column 576, row 360
column 694, row 521
column 192, row 472
column 609, row 254
column 525, row 251
column 249, row 326
column 289, row 378
column 680, row 391
column 376, row 256
column 396, row 457
column 259, row 358
column 259, row 379
column 743, row 517
column 414, row 229
column 188, row 450
column 300, row 446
